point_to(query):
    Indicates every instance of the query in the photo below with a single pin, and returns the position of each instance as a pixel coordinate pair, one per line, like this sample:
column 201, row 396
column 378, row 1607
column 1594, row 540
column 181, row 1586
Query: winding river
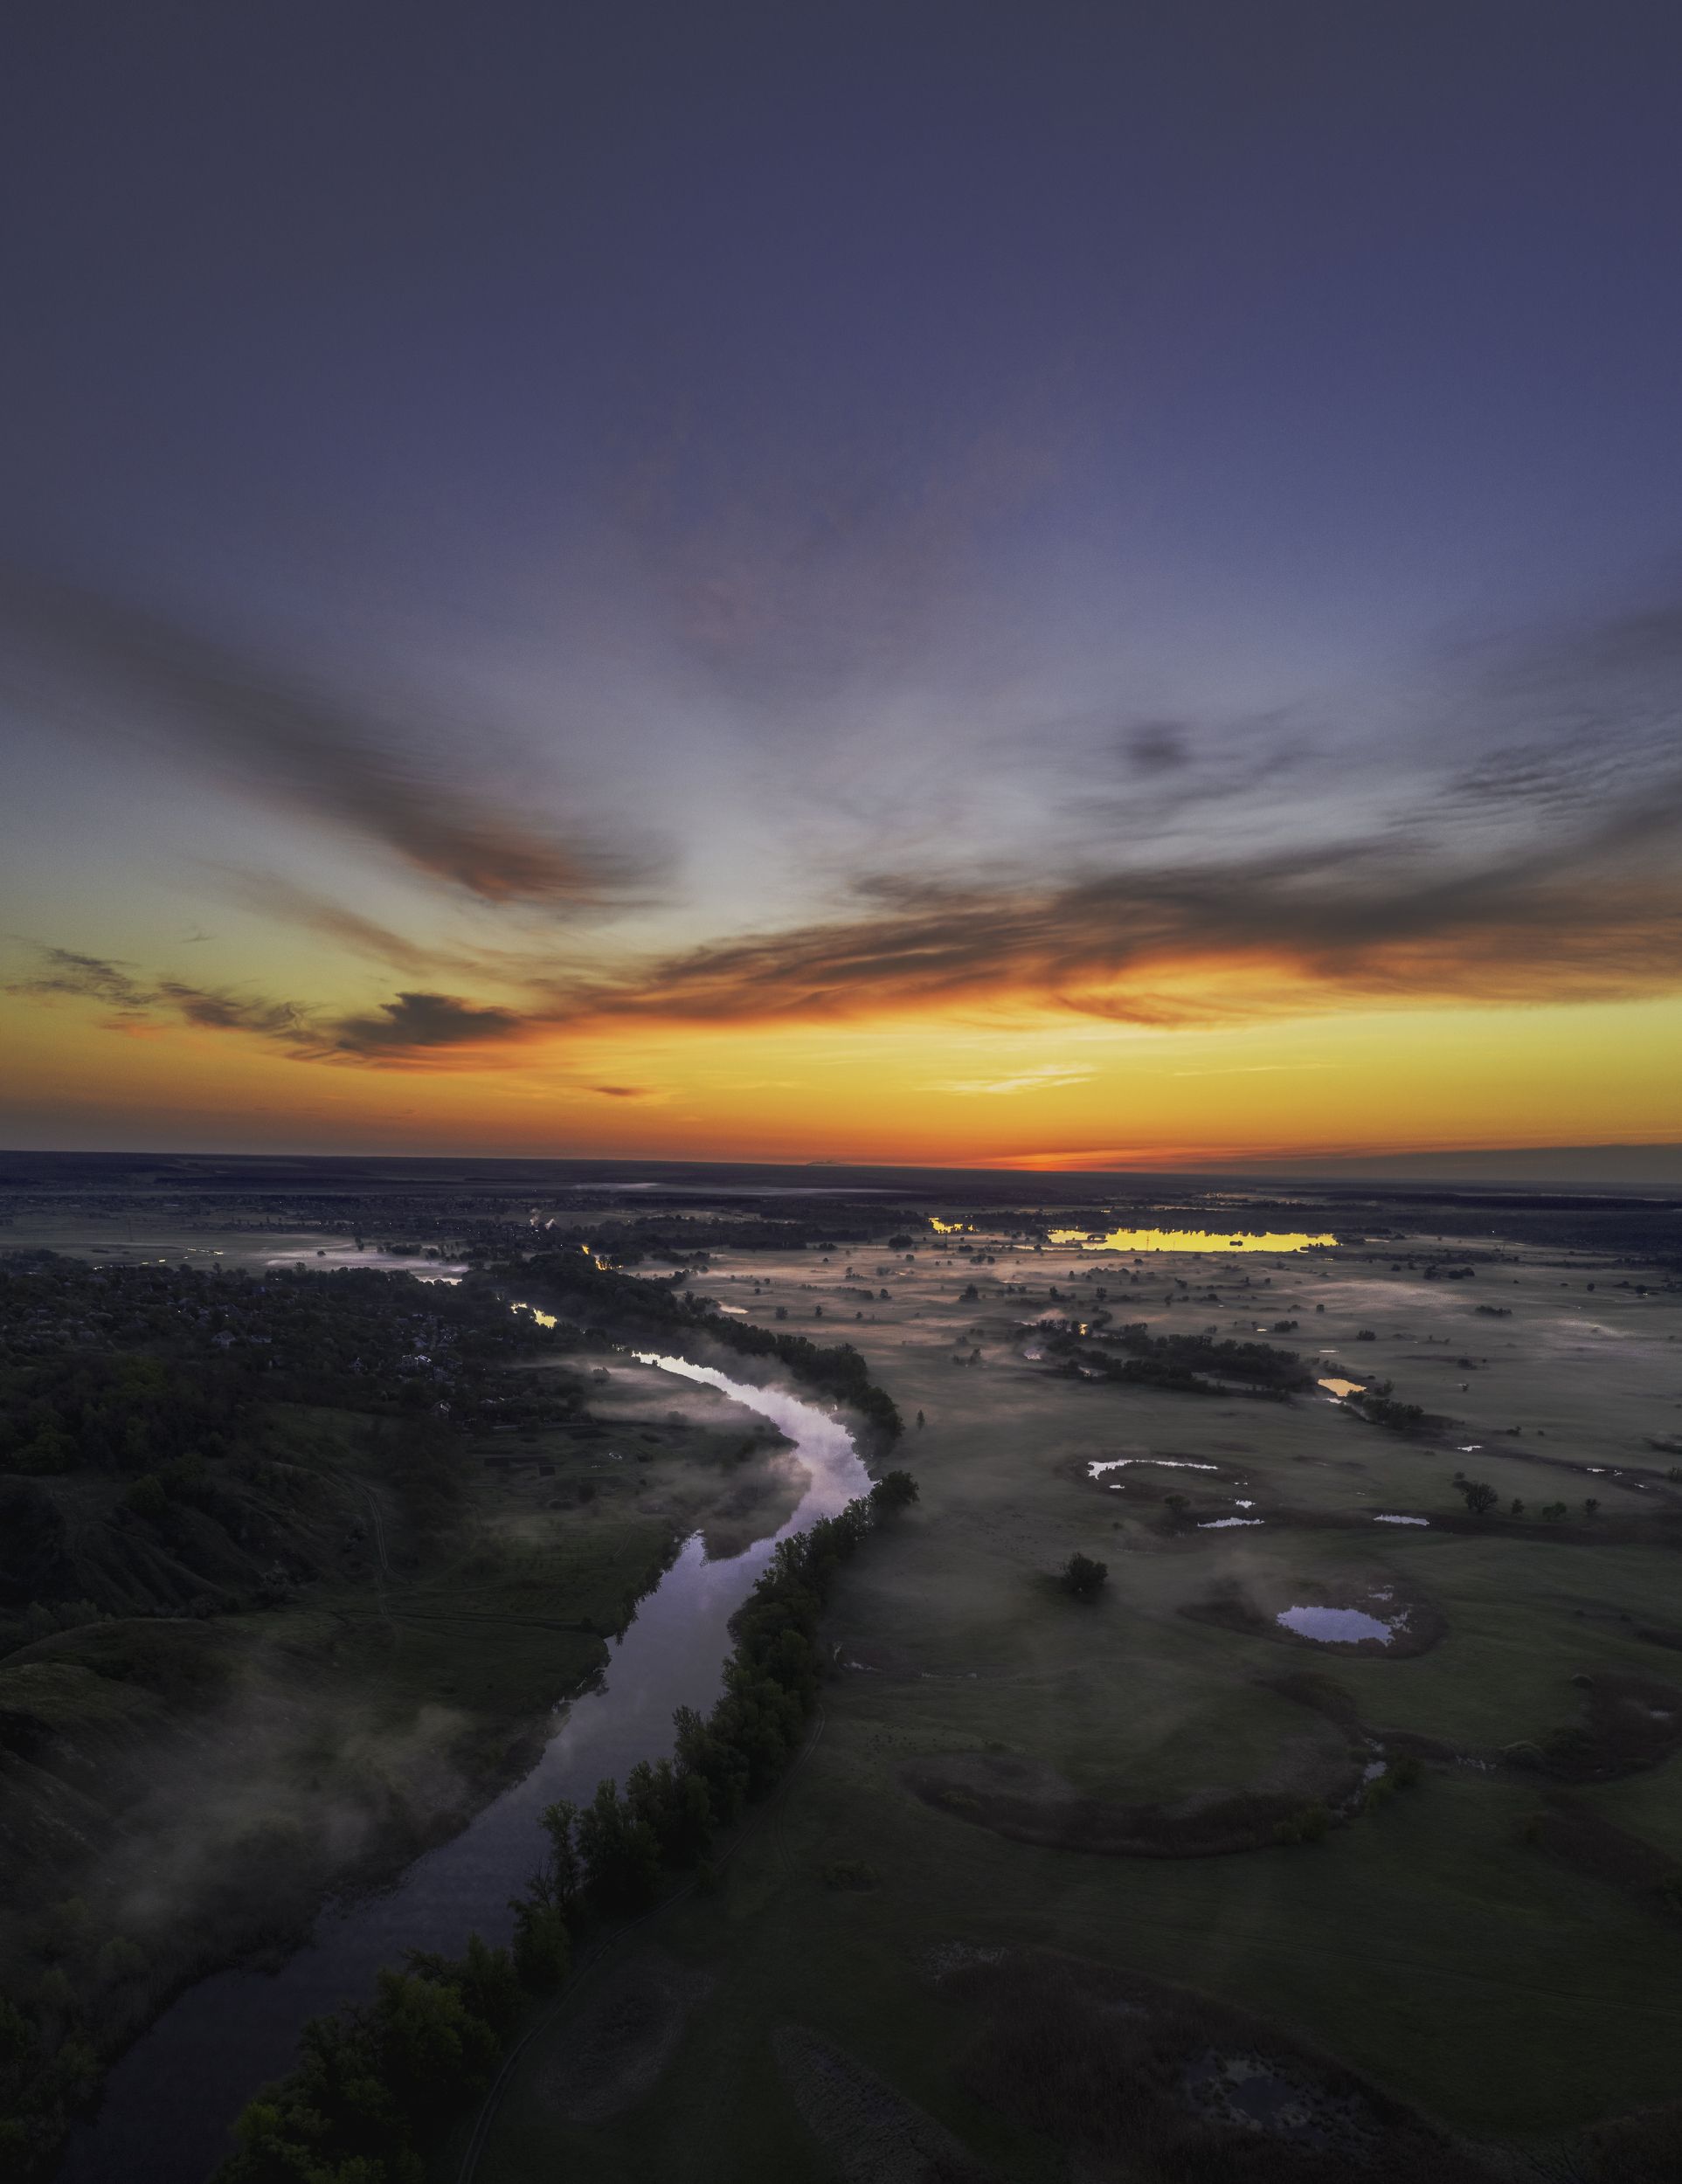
column 169, row 2101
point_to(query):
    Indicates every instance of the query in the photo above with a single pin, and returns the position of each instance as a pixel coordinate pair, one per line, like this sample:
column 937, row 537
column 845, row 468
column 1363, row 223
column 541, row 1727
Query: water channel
column 169, row 2101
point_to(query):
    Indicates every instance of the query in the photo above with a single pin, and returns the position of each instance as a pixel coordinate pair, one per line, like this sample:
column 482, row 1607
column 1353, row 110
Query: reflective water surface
column 169, row 2101
column 1336, row 1625
column 1143, row 1240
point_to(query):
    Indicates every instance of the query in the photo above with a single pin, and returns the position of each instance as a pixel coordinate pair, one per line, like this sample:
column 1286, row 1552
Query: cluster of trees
column 132, row 1368
column 1376, row 1403
column 375, row 2085
column 662, row 1308
column 40, row 2084
column 1480, row 1497
column 1197, row 1365
column 628, row 1242
column 837, row 1369
column 114, row 1412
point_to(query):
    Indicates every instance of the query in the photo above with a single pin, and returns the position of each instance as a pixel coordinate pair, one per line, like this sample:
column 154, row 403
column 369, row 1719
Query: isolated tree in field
column 1083, row 1577
column 1590, row 1506
column 1477, row 1497
column 893, row 1491
column 1515, row 1507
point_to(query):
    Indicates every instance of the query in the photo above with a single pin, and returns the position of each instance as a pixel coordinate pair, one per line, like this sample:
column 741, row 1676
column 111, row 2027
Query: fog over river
column 168, row 2104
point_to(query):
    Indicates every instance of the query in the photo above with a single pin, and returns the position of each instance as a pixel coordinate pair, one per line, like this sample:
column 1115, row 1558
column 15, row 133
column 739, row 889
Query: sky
column 1062, row 585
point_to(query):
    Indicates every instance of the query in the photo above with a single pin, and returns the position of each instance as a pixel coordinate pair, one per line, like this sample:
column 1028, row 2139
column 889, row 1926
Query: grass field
column 1506, row 1990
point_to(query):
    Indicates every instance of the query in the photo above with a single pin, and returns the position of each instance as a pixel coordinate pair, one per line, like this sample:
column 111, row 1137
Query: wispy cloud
column 63, row 972
column 1029, row 1080
column 1542, row 864
column 408, row 1027
column 288, row 740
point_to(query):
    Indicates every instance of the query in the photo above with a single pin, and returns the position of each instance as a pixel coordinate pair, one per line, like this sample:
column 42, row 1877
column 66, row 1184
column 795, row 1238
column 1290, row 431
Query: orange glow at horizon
column 1047, row 1093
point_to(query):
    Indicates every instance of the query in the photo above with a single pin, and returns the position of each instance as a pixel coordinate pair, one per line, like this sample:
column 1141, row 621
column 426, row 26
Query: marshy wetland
column 1338, row 1833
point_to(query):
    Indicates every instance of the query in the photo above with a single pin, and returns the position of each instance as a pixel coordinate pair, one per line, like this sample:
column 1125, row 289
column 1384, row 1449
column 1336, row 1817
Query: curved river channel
column 169, row 2101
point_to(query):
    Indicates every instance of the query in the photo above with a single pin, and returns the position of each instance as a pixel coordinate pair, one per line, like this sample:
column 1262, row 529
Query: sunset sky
column 1071, row 584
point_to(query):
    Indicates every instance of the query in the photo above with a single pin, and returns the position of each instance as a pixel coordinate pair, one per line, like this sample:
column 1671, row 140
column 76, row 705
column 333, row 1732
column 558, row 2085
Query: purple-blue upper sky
column 820, row 454
column 1299, row 330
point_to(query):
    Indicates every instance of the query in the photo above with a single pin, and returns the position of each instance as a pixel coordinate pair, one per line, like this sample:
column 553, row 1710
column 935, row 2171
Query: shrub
column 850, row 1873
column 1083, row 1577
column 147, row 1496
column 894, row 1490
column 1310, row 1824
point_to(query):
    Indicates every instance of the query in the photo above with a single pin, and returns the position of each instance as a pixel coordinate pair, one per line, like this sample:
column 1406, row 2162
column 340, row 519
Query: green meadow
column 1489, row 1937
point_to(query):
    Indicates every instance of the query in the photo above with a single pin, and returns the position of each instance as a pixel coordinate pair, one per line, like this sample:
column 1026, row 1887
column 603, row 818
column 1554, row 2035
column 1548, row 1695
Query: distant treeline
column 374, row 2086
column 130, row 1368
column 629, row 1241
column 661, row 1311
column 1195, row 1364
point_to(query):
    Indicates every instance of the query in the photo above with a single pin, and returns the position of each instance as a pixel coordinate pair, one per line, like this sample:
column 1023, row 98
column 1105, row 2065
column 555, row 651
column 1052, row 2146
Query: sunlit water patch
column 1143, row 1240
column 1401, row 1520
column 1226, row 1524
column 1340, row 1388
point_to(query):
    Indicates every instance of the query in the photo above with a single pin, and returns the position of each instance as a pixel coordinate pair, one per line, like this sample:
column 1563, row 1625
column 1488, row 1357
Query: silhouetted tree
column 1083, row 1577
column 893, row 1491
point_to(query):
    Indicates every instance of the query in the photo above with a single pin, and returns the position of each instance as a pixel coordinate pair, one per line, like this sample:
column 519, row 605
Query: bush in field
column 894, row 1490
column 1477, row 1497
column 850, row 1873
column 147, row 1497
column 1083, row 1577
column 1312, row 1823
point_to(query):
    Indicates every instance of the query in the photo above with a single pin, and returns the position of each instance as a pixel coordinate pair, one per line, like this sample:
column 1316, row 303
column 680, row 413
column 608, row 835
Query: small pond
column 1338, row 1626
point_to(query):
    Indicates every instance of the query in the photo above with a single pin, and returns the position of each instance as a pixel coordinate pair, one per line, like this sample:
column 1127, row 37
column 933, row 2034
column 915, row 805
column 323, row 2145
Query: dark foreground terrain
column 1334, row 1831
